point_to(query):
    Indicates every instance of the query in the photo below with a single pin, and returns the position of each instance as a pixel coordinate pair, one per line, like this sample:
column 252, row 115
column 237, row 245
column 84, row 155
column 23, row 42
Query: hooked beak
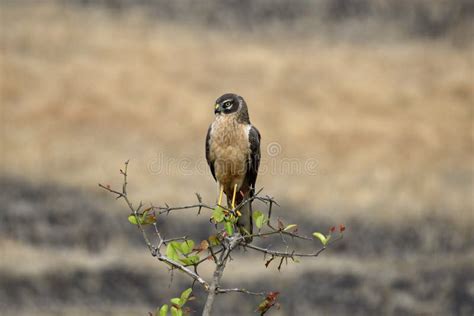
column 217, row 109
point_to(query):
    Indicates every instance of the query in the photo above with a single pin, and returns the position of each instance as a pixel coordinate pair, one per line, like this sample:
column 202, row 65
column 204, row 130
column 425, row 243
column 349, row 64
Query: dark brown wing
column 208, row 148
column 253, row 161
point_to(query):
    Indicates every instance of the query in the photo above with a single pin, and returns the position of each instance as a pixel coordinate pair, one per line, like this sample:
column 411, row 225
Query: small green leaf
column 176, row 301
column 172, row 250
column 259, row 219
column 185, row 296
column 190, row 260
column 229, row 228
column 187, row 246
column 213, row 240
column 321, row 237
column 177, row 246
column 218, row 214
column 185, row 261
column 194, row 259
column 133, row 219
column 233, row 219
column 143, row 219
column 291, row 226
column 164, row 310
column 176, row 312
column 256, row 214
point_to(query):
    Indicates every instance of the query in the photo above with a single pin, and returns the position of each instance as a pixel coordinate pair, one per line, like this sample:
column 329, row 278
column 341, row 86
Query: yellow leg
column 220, row 195
column 233, row 196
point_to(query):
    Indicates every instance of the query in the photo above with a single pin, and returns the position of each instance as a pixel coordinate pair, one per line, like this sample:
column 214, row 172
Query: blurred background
column 365, row 109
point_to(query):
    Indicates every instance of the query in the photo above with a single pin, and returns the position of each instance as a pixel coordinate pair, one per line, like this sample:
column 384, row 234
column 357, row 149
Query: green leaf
column 190, row 260
column 291, row 226
column 176, row 301
column 133, row 219
column 164, row 310
column 213, row 240
column 176, row 312
column 321, row 237
column 185, row 261
column 185, row 296
column 143, row 219
column 187, row 246
column 256, row 214
column 172, row 250
column 218, row 214
column 177, row 246
column 194, row 259
column 233, row 219
column 229, row 228
column 259, row 219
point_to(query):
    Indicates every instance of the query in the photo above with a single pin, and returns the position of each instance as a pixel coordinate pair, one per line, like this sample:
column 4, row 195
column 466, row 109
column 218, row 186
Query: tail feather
column 245, row 223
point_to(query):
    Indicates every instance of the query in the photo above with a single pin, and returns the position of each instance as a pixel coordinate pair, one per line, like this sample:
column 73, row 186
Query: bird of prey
column 233, row 155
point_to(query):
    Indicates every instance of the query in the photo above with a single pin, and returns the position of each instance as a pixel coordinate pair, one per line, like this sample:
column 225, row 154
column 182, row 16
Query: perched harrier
column 233, row 154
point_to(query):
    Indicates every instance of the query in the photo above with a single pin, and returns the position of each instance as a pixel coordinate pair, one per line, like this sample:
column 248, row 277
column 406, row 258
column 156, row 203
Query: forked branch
column 219, row 247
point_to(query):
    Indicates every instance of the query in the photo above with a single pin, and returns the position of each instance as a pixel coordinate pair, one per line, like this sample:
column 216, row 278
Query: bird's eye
column 228, row 104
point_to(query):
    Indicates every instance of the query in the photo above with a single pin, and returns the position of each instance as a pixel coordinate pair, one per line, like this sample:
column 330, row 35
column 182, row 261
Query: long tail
column 245, row 223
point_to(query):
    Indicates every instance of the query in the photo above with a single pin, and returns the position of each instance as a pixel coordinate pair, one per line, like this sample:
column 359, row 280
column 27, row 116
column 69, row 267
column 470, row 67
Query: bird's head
column 229, row 103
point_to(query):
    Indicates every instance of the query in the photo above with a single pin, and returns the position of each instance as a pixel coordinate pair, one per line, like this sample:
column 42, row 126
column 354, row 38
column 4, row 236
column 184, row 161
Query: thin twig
column 292, row 254
column 227, row 245
column 219, row 290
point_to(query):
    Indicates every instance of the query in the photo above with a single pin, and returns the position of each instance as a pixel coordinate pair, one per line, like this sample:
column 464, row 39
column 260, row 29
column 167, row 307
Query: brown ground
column 387, row 125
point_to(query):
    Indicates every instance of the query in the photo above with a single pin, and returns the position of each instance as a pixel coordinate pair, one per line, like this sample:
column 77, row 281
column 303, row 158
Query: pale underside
column 229, row 150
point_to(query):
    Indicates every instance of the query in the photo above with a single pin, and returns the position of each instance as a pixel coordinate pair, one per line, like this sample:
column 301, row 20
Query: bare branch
column 167, row 209
column 184, row 269
column 155, row 251
column 229, row 244
column 226, row 245
column 293, row 254
column 219, row 290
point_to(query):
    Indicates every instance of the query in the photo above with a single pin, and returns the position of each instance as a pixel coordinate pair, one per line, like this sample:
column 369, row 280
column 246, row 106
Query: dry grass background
column 388, row 122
